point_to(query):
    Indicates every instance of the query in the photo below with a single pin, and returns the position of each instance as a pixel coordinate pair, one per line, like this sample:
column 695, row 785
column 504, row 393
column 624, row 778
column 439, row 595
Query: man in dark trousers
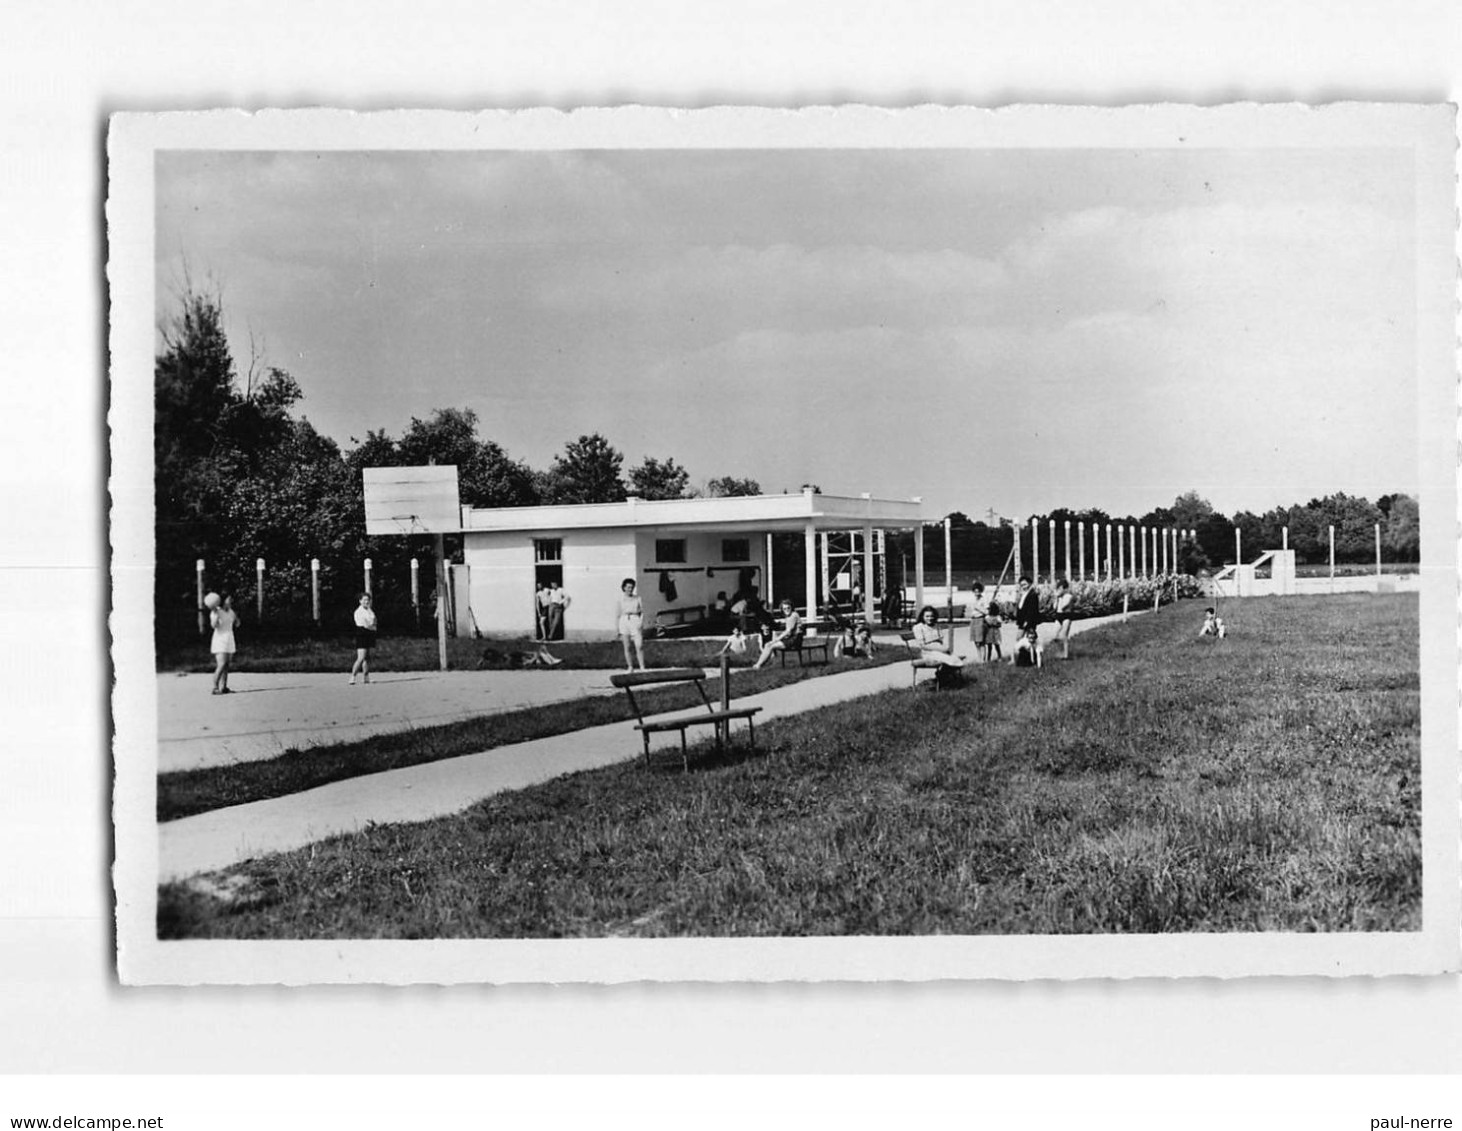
column 1027, row 622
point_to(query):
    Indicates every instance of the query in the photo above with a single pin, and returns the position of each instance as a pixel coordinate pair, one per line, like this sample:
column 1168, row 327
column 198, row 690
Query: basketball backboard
column 411, row 500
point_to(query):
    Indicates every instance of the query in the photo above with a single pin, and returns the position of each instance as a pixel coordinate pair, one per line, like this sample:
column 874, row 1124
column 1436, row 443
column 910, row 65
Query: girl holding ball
column 224, row 620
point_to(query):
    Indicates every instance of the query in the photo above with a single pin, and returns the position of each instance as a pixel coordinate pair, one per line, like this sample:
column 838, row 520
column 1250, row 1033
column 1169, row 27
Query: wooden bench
column 687, row 614
column 806, row 645
column 718, row 717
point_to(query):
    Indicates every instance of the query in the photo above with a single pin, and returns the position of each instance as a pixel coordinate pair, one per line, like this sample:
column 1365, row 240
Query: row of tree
column 240, row 476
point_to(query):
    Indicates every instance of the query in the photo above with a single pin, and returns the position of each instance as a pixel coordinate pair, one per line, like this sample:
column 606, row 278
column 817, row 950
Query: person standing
column 1064, row 601
column 1028, row 620
column 631, row 623
column 224, row 620
column 980, row 627
column 540, row 609
column 558, row 603
column 365, row 638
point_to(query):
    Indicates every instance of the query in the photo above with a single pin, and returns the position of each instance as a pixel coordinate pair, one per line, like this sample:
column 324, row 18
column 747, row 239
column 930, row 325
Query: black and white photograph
column 750, row 545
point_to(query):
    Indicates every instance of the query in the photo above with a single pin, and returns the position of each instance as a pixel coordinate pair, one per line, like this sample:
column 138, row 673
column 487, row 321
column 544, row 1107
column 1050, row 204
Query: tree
column 586, row 472
column 1401, row 532
column 656, row 479
column 1190, row 509
column 727, row 485
column 486, row 476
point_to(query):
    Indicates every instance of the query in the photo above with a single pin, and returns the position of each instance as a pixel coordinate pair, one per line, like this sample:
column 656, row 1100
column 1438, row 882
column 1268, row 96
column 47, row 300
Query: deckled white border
column 1426, row 131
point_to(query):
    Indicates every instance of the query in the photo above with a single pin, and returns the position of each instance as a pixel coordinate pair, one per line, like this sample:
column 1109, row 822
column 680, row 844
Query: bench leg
column 751, row 727
column 684, row 754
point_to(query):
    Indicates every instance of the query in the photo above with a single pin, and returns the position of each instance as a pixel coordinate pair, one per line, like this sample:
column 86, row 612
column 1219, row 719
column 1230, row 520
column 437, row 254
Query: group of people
column 224, row 620
column 985, row 629
column 550, row 603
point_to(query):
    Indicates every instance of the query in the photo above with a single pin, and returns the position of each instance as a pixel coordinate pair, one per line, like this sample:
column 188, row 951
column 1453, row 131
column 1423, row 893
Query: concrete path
column 226, row 837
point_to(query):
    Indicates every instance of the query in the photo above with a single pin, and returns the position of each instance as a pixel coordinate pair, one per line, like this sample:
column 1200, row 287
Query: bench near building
column 682, row 553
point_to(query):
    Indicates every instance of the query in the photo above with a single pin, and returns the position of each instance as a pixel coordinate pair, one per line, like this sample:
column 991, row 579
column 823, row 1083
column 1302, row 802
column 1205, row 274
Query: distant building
column 682, row 553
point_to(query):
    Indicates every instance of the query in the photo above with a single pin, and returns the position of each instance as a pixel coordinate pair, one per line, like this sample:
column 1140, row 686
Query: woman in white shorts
column 224, row 621
column 631, row 623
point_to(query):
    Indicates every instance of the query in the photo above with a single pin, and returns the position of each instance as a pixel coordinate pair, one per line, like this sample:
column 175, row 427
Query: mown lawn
column 1157, row 782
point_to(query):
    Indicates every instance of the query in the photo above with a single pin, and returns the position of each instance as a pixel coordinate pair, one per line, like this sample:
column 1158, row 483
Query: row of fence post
column 259, row 572
column 1133, row 543
column 1141, row 551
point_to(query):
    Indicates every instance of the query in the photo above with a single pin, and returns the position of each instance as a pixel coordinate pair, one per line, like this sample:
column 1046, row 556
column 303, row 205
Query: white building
column 682, row 553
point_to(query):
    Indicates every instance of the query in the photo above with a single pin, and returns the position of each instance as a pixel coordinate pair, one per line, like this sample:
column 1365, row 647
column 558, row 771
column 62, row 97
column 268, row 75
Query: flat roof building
column 684, row 554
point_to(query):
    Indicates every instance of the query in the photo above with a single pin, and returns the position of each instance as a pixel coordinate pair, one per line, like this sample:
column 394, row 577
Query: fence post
column 1378, row 549
column 259, row 589
column 1332, row 558
column 202, row 612
column 315, row 590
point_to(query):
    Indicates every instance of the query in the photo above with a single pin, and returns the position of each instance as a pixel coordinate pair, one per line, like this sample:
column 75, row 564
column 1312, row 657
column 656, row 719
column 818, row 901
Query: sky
column 1006, row 331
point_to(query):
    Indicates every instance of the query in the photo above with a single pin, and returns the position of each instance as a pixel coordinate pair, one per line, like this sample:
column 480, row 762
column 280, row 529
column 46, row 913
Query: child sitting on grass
column 1212, row 624
column 735, row 643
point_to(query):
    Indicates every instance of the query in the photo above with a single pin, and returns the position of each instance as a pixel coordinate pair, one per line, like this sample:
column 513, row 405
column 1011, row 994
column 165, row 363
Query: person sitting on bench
column 789, row 637
column 932, row 648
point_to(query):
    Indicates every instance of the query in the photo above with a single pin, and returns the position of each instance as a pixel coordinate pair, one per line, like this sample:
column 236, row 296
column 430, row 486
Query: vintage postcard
column 737, row 544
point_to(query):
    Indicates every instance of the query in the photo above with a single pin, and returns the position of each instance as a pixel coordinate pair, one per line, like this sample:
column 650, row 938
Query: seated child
column 1212, row 624
column 735, row 643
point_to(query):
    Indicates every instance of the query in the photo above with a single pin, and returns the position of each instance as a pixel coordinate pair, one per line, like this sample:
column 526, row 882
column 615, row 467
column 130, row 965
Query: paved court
column 268, row 714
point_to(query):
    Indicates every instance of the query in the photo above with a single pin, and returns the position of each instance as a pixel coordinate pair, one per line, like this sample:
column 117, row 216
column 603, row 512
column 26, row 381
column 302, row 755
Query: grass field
column 1158, row 782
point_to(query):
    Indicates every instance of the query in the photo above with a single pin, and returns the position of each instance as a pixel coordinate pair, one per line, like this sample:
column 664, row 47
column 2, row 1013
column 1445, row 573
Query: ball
column 212, row 601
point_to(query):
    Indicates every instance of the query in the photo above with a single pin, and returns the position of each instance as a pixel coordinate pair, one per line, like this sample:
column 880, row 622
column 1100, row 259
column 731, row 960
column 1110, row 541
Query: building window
column 736, row 549
column 547, row 550
column 670, row 550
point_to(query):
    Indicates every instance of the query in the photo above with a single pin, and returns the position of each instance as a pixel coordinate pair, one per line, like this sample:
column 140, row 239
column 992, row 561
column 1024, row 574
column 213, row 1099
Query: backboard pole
column 441, row 601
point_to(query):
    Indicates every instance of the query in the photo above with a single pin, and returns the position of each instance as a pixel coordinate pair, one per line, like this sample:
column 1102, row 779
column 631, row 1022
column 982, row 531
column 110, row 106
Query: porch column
column 918, row 567
column 868, row 575
column 1035, row 551
column 1081, row 548
column 1121, row 551
column 827, row 587
column 809, row 542
column 767, row 594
